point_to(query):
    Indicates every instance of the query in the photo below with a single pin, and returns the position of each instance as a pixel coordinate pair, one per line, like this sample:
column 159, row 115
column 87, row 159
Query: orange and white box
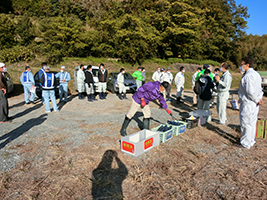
column 140, row 142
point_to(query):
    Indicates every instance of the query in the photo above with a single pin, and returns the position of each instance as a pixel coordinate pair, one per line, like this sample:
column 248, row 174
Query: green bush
column 16, row 54
column 175, row 60
column 210, row 62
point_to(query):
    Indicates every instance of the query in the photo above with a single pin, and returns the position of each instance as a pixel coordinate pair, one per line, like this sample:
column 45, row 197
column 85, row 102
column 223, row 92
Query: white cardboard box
column 139, row 142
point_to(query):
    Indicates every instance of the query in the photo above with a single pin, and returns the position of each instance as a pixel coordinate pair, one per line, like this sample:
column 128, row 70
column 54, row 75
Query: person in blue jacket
column 64, row 78
column 27, row 81
column 48, row 82
column 41, row 71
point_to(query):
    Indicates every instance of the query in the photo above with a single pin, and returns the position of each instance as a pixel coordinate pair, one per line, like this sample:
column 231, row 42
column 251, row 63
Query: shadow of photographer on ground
column 107, row 180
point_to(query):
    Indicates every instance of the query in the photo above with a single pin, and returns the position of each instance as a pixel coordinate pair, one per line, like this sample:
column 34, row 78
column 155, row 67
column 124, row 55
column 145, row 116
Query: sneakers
column 48, row 111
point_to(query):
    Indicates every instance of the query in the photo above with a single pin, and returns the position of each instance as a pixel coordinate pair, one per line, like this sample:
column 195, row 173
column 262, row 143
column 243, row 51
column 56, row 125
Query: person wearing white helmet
column 64, row 78
column 3, row 98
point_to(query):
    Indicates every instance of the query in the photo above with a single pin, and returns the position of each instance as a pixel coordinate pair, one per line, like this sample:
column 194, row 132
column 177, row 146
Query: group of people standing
column 250, row 91
column 210, row 85
column 47, row 81
column 250, row 95
column 166, row 76
column 140, row 78
column 85, row 82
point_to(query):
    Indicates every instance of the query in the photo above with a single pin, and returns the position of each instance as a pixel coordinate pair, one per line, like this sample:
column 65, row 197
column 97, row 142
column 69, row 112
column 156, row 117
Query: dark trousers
column 168, row 95
column 3, row 107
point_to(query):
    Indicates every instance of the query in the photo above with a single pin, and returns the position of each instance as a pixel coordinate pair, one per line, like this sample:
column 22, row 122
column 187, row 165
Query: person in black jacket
column 102, row 84
column 89, row 84
column 206, row 86
column 4, row 110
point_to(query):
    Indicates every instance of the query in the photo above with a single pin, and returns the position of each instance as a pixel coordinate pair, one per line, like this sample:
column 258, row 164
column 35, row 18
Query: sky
column 258, row 16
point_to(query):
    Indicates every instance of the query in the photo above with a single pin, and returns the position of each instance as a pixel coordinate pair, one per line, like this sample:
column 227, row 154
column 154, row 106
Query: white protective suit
column 156, row 76
column 250, row 93
column 179, row 82
column 120, row 81
column 224, row 86
column 168, row 77
column 80, row 80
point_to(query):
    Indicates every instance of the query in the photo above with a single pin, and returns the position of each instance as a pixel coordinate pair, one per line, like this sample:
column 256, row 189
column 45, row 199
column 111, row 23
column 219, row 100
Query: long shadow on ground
column 12, row 135
column 28, row 110
column 222, row 133
column 17, row 105
column 69, row 99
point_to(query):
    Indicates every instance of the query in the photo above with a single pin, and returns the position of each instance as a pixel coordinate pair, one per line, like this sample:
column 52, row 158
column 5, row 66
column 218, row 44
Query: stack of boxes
column 142, row 141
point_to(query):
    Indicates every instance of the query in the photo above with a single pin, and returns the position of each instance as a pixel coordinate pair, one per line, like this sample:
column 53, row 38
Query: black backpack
column 197, row 88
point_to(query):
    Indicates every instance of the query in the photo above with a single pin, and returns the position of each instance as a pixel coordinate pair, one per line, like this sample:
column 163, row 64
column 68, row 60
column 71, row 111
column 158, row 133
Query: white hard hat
column 2, row 64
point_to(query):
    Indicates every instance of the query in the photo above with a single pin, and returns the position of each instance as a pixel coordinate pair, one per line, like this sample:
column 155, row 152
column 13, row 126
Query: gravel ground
column 77, row 120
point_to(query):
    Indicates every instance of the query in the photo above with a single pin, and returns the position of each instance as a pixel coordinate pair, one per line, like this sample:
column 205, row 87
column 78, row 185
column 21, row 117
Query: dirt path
column 69, row 155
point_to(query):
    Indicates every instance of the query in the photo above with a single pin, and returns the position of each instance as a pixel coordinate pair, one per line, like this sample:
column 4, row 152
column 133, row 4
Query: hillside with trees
column 131, row 30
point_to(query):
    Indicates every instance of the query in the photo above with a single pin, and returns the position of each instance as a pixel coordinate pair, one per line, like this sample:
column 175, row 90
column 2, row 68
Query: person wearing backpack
column 206, row 66
column 206, row 86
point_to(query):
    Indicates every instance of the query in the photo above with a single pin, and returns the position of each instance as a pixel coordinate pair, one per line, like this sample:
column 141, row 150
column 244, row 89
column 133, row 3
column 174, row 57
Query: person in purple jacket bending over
column 146, row 93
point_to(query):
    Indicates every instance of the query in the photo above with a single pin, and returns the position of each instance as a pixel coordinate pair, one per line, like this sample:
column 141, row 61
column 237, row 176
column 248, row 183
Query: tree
column 62, row 36
column 25, row 30
column 254, row 46
column 7, row 31
column 223, row 27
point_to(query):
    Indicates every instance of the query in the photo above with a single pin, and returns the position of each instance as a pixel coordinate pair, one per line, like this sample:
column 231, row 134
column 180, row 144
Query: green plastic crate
column 164, row 136
column 177, row 130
